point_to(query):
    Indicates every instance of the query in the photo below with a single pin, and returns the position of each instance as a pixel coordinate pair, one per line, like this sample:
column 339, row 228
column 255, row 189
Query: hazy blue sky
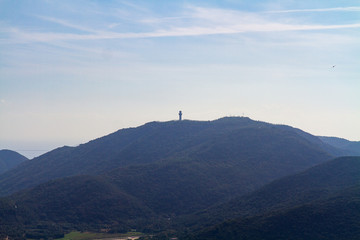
column 72, row 71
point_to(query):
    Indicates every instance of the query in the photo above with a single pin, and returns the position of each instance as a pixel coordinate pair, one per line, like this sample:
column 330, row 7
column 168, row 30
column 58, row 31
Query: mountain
column 231, row 164
column 255, row 148
column 351, row 147
column 320, row 203
column 10, row 159
column 164, row 171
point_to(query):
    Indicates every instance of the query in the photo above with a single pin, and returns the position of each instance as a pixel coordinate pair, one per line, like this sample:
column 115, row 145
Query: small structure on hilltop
column 180, row 115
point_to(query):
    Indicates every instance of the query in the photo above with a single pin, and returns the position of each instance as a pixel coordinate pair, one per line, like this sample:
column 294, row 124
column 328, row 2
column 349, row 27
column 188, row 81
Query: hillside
column 320, row 203
column 336, row 217
column 221, row 168
column 227, row 139
column 351, row 147
column 312, row 184
column 10, row 159
column 169, row 188
column 225, row 159
column 76, row 203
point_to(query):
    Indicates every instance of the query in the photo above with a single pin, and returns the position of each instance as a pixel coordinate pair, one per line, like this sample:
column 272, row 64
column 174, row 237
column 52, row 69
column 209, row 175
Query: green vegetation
column 313, row 184
column 77, row 236
column 90, row 235
column 336, row 217
column 321, row 203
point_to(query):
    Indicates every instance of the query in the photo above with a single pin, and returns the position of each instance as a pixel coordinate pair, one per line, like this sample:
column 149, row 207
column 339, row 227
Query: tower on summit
column 180, row 115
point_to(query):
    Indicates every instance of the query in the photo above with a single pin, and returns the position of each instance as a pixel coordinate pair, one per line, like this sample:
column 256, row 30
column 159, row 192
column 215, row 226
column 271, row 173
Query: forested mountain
column 240, row 140
column 10, row 159
column 203, row 175
column 149, row 177
column 351, row 147
column 157, row 204
column 90, row 200
column 320, row 203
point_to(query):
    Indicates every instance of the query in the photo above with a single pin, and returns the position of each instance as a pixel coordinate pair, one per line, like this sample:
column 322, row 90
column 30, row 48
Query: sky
column 73, row 71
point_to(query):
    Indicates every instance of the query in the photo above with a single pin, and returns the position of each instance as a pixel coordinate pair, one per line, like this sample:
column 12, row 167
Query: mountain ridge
column 10, row 159
column 160, row 170
column 151, row 142
column 351, row 147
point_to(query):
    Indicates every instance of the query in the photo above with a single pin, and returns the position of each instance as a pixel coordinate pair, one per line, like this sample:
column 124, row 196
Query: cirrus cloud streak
column 26, row 36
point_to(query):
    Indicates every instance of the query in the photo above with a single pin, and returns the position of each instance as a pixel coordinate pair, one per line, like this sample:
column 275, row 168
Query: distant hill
column 10, row 159
column 320, row 203
column 276, row 150
column 351, row 147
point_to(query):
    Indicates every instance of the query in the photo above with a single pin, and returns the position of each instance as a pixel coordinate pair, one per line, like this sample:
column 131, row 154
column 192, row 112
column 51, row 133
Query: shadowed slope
column 351, row 147
column 225, row 139
column 320, row 203
column 10, row 159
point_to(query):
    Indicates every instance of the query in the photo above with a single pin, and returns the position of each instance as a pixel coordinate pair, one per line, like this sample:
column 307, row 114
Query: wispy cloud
column 164, row 19
column 176, row 32
column 338, row 9
column 203, row 21
column 68, row 24
column 134, row 6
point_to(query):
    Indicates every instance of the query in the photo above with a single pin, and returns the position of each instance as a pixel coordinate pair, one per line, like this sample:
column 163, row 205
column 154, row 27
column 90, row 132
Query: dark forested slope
column 81, row 202
column 219, row 169
column 241, row 141
column 336, row 217
column 320, row 203
column 10, row 159
column 351, row 147
column 148, row 176
column 81, row 199
column 127, row 196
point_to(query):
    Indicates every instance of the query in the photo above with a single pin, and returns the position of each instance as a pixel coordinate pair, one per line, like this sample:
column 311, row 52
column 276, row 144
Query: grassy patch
column 91, row 236
column 78, row 236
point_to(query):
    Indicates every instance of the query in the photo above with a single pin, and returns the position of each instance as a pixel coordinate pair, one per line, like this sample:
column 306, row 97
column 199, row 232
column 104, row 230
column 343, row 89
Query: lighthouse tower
column 180, row 115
